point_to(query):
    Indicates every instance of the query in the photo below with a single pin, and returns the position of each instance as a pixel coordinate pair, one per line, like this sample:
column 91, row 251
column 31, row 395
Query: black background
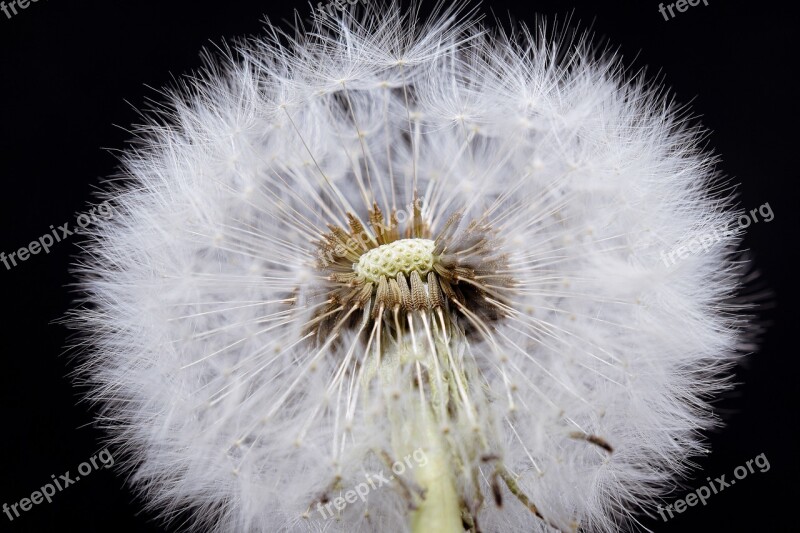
column 74, row 73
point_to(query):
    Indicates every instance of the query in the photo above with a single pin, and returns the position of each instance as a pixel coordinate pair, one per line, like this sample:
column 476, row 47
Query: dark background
column 72, row 71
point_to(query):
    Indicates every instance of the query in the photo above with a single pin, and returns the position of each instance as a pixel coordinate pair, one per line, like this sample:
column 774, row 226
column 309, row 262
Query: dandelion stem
column 440, row 510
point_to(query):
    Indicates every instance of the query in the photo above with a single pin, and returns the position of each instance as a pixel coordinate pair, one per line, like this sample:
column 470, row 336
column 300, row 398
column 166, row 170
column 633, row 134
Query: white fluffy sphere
column 254, row 375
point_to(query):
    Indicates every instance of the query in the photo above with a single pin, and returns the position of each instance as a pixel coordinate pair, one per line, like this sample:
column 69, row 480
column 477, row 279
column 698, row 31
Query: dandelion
column 379, row 237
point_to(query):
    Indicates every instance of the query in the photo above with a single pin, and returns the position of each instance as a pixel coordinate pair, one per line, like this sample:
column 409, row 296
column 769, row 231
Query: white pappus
column 377, row 238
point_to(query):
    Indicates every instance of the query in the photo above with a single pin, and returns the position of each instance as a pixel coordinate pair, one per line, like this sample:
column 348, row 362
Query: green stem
column 440, row 511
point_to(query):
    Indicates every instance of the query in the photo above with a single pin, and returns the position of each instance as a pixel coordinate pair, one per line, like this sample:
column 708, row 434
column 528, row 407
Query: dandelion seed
column 381, row 237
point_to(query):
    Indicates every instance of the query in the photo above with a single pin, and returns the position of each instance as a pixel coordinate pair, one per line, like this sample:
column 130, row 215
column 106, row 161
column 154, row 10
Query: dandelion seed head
column 384, row 234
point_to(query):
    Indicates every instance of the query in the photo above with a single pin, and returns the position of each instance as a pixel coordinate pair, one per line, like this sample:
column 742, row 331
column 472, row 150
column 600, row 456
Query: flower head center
column 384, row 271
column 402, row 256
